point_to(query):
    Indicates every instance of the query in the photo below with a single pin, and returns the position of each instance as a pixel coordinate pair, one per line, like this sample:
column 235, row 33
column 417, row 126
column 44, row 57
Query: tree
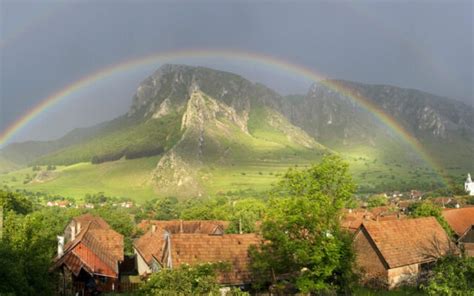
column 304, row 245
column 15, row 202
column 428, row 209
column 376, row 201
column 27, row 248
column 199, row 279
column 452, row 276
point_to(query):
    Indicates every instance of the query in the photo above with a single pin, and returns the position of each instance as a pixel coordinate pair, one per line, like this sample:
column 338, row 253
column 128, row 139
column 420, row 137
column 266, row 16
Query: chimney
column 73, row 233
column 180, row 226
column 60, row 246
column 78, row 227
column 169, row 261
column 153, row 228
column 240, row 226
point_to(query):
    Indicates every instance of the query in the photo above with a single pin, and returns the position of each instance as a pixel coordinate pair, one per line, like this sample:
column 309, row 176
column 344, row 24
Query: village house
column 155, row 231
column 461, row 222
column 445, row 202
column 60, row 204
column 89, row 254
column 186, row 243
column 416, row 194
column 391, row 253
column 353, row 218
column 186, row 226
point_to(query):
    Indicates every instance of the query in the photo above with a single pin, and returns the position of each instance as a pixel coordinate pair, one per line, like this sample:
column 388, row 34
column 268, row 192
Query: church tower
column 469, row 185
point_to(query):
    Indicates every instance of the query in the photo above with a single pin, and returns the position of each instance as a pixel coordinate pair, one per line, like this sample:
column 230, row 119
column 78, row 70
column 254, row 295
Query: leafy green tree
column 377, row 200
column 15, row 202
column 27, row 248
column 428, row 209
column 452, row 276
column 304, row 244
column 245, row 213
column 198, row 279
column 166, row 208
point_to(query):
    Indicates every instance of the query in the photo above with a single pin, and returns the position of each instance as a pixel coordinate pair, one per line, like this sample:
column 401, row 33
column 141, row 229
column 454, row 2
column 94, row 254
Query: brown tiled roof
column 459, row 219
column 89, row 218
column 149, row 244
column 98, row 237
column 109, row 240
column 201, row 248
column 352, row 219
column 408, row 241
column 183, row 226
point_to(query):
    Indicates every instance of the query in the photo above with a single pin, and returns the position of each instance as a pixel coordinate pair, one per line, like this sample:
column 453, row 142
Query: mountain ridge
column 197, row 118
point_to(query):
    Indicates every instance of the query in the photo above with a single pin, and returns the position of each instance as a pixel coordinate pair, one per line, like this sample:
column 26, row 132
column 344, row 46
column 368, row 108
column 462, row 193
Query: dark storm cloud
column 48, row 45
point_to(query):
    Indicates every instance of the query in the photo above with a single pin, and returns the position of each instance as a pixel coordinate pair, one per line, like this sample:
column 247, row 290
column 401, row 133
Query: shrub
column 199, row 279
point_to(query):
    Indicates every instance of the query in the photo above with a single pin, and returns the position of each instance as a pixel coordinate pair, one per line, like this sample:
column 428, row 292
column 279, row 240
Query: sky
column 47, row 45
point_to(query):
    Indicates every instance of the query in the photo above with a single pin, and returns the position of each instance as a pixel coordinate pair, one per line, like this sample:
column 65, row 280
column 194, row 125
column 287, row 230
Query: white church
column 469, row 185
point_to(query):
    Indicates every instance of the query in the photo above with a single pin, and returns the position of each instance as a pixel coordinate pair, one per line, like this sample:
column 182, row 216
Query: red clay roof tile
column 408, row 241
column 460, row 220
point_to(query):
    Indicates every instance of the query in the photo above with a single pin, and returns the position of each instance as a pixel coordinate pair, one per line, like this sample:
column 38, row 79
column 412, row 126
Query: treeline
column 129, row 153
column 132, row 140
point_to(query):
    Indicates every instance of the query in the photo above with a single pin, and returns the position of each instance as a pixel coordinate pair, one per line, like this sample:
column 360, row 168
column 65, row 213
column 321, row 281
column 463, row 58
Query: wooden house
column 394, row 252
column 160, row 248
column 462, row 223
column 89, row 254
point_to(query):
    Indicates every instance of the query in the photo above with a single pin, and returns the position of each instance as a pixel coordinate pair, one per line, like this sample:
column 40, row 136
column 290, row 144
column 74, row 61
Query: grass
column 131, row 139
column 127, row 178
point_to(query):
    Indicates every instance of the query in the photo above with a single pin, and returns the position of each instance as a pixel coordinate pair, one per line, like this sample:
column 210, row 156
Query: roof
column 201, row 248
column 191, row 226
column 95, row 242
column 407, row 241
column 95, row 220
column 149, row 244
column 351, row 220
column 460, row 220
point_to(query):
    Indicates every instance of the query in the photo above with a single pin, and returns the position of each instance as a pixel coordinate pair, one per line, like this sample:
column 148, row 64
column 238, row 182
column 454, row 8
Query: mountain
column 193, row 130
column 441, row 125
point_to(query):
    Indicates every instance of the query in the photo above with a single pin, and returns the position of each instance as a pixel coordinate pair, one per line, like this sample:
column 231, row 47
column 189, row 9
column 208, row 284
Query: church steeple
column 469, row 185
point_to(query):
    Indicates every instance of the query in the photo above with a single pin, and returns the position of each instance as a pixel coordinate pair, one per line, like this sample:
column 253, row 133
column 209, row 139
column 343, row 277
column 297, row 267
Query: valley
column 195, row 131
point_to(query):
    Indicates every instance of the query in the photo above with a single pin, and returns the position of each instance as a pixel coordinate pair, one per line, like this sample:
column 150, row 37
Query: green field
column 128, row 178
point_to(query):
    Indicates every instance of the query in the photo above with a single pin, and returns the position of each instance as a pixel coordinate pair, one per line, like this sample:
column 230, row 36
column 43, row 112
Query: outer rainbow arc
column 63, row 94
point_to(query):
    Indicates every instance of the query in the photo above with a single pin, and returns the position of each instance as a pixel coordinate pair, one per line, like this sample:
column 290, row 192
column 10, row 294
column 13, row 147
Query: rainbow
column 303, row 71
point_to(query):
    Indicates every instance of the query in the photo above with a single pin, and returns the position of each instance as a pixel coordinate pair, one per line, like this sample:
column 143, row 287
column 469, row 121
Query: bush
column 199, row 279
column 452, row 276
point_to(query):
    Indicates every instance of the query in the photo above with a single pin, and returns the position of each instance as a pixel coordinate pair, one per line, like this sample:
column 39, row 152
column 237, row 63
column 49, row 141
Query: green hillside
column 195, row 131
column 137, row 140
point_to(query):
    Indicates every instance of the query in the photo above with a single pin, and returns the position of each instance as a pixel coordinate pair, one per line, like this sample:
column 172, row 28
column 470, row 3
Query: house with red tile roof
column 462, row 223
column 186, row 226
column 89, row 254
column 353, row 218
column 395, row 252
column 160, row 248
